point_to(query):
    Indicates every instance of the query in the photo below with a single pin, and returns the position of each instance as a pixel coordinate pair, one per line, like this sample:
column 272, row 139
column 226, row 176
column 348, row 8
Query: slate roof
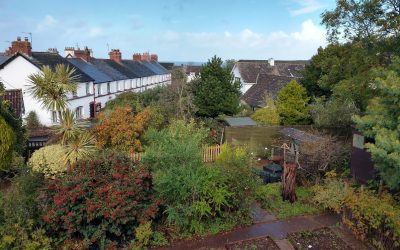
column 52, row 59
column 3, row 59
column 250, row 69
column 105, row 67
column 239, row 121
column 300, row 136
column 193, row 68
column 14, row 96
column 137, row 68
column 167, row 65
column 266, row 84
column 91, row 70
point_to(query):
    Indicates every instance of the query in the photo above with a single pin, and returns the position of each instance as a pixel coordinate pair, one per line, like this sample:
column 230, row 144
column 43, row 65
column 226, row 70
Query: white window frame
column 79, row 112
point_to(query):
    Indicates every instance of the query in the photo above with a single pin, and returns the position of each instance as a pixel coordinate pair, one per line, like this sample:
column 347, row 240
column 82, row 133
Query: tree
column 229, row 64
column 215, row 92
column 7, row 141
column 177, row 99
column 367, row 20
column 333, row 113
column 267, row 115
column 32, row 120
column 122, row 129
column 342, row 71
column 15, row 122
column 381, row 123
column 51, row 87
column 292, row 104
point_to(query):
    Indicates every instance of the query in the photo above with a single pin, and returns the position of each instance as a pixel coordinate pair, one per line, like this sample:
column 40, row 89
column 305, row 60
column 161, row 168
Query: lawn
column 270, row 198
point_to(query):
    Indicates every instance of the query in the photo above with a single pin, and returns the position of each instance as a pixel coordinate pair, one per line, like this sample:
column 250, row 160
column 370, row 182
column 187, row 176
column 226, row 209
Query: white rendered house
column 100, row 80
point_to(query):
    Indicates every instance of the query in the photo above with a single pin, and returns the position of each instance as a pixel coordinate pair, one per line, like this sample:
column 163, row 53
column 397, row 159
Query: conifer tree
column 215, row 92
column 381, row 122
column 292, row 104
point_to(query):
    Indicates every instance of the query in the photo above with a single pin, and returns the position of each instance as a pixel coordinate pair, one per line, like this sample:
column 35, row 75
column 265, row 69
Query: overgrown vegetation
column 372, row 217
column 270, row 197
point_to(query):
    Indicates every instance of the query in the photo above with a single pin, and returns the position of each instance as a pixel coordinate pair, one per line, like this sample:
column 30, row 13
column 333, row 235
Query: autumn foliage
column 122, row 129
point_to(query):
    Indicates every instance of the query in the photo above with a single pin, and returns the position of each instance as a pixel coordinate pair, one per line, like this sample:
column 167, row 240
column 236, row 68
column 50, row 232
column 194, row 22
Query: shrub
column 369, row 216
column 20, row 214
column 101, row 201
column 143, row 235
column 7, row 139
column 332, row 194
column 194, row 194
column 49, row 161
column 239, row 176
column 267, row 115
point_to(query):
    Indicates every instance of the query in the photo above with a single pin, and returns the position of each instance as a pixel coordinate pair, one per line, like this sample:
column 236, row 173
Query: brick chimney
column 146, row 56
column 52, row 50
column 137, row 57
column 20, row 46
column 154, row 57
column 84, row 54
column 115, row 55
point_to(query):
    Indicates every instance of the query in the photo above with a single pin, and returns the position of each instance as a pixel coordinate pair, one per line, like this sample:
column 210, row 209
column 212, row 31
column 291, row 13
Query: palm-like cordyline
column 69, row 128
column 52, row 86
column 81, row 148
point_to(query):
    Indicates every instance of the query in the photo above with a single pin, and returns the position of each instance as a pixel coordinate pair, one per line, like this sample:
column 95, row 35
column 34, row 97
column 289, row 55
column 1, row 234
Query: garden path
column 276, row 229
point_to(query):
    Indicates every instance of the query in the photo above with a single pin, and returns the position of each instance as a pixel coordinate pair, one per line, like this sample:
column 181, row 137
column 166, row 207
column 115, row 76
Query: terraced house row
column 100, row 80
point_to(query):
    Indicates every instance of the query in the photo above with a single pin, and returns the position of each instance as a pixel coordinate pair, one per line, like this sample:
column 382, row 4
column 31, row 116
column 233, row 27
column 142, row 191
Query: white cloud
column 46, row 23
column 301, row 44
column 83, row 31
column 305, row 7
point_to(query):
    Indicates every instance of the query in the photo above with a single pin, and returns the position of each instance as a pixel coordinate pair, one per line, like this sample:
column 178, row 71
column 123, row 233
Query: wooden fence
column 210, row 153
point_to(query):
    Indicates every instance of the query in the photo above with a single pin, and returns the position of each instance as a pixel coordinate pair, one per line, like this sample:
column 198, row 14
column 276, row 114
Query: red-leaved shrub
column 101, row 201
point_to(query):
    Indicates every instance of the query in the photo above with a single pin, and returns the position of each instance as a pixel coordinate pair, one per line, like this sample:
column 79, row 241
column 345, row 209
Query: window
column 79, row 112
column 54, row 116
column 237, row 79
column 87, row 88
column 117, row 88
column 98, row 89
column 74, row 93
column 108, row 88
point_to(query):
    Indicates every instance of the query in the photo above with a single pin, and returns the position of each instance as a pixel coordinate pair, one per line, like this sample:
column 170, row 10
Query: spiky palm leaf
column 81, row 148
column 69, row 128
column 51, row 87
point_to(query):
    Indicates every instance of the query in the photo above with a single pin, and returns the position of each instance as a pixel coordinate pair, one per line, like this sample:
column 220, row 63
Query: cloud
column 46, row 23
column 305, row 7
column 301, row 44
column 83, row 31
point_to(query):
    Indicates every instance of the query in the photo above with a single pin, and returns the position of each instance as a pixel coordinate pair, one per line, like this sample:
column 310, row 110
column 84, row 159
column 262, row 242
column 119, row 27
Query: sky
column 176, row 30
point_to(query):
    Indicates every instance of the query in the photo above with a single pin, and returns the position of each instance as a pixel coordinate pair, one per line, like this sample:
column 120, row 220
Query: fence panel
column 210, row 154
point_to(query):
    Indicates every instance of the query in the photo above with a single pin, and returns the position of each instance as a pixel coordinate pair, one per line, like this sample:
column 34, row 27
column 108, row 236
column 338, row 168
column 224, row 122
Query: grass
column 270, row 199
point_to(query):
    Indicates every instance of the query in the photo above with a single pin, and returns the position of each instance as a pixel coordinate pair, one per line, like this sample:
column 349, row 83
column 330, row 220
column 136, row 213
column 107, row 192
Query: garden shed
column 239, row 121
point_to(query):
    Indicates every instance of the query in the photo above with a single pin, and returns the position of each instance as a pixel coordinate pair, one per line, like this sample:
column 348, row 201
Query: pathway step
column 284, row 244
column 259, row 215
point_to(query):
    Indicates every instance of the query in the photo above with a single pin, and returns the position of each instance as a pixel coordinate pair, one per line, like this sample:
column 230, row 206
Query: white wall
column 15, row 76
column 245, row 85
